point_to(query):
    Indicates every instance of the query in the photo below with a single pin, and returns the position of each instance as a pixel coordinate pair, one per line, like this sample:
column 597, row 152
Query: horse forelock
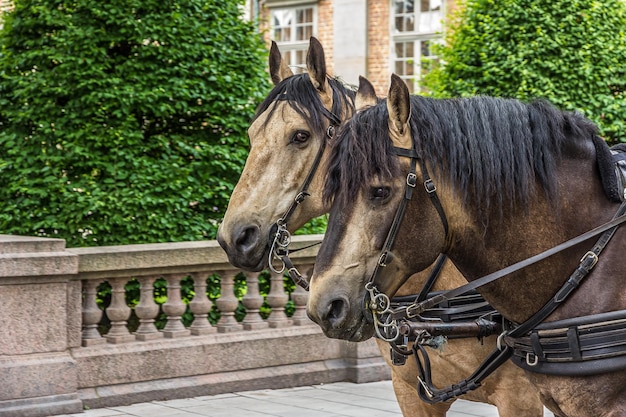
column 492, row 151
column 361, row 151
column 300, row 94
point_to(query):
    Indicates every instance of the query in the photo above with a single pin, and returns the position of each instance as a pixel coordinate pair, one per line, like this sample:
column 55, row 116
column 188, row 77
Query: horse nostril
column 247, row 238
column 337, row 312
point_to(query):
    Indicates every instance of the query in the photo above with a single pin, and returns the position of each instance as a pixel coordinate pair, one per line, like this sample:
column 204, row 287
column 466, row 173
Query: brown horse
column 503, row 182
column 286, row 135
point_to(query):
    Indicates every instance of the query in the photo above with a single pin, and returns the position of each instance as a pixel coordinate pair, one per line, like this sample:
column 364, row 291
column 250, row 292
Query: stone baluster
column 277, row 299
column 174, row 308
column 91, row 314
column 300, row 297
column 118, row 313
column 147, row 310
column 200, row 307
column 253, row 301
column 227, row 303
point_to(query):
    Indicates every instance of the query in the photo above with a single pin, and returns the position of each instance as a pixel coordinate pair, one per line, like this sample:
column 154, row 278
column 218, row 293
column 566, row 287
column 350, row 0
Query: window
column 291, row 28
column 416, row 25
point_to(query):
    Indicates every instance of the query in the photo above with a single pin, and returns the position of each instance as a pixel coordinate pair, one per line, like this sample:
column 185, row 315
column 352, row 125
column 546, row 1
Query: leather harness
column 599, row 335
column 583, row 342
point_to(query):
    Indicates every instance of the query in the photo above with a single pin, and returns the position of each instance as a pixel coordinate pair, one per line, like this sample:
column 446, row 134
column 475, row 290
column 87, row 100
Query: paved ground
column 342, row 399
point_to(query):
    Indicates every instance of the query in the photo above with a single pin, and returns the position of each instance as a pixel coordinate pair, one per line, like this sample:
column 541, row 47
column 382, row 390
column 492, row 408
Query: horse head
column 287, row 141
column 367, row 181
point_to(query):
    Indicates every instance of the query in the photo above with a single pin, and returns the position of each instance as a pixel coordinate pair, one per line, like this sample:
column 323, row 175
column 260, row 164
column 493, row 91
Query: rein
column 386, row 319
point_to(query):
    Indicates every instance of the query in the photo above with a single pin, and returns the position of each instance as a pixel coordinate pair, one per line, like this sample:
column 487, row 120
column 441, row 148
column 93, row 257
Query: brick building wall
column 379, row 45
column 325, row 31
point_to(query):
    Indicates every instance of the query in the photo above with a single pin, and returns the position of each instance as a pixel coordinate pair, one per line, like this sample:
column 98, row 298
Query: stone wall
column 54, row 359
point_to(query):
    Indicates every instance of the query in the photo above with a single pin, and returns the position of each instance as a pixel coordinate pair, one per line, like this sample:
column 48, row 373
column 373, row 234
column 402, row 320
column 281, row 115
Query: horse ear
column 316, row 67
column 279, row 70
column 399, row 106
column 365, row 95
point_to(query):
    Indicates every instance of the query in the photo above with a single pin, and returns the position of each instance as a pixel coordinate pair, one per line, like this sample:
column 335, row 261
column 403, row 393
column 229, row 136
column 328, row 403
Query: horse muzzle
column 245, row 246
column 340, row 320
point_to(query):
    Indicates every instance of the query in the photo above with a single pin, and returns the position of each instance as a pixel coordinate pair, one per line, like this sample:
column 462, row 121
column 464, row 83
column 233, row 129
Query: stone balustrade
column 62, row 348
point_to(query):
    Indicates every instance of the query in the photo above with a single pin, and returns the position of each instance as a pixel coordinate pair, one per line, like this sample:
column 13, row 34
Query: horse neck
column 580, row 206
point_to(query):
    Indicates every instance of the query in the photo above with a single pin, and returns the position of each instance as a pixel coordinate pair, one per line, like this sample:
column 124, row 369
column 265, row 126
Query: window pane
column 308, row 16
column 299, row 58
column 308, row 32
column 430, row 17
column 409, row 49
column 282, row 21
column 409, row 69
column 418, row 24
column 400, row 49
column 425, row 48
column 399, row 68
column 404, row 18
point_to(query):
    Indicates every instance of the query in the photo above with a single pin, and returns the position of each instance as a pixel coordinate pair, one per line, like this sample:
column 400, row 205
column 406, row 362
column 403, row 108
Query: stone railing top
column 28, row 244
column 168, row 258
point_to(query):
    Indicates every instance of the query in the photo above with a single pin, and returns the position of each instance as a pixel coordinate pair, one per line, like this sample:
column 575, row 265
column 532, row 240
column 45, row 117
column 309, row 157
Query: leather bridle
column 280, row 238
column 379, row 303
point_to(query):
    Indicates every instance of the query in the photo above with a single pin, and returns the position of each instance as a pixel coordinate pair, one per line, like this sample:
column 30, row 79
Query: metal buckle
column 499, row 344
column 330, row 132
column 532, row 362
column 429, row 185
column 383, row 259
column 427, row 390
column 594, row 259
column 411, row 179
column 302, row 195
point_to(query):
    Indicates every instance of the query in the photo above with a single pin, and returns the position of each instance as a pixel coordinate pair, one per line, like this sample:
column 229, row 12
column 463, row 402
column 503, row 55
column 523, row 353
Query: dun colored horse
column 287, row 136
column 520, row 197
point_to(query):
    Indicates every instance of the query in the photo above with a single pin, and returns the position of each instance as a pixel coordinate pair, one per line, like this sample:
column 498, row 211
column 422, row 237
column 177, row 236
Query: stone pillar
column 253, row 301
column 174, row 308
column 200, row 307
column 40, row 306
column 277, row 299
column 227, row 304
column 147, row 310
column 118, row 313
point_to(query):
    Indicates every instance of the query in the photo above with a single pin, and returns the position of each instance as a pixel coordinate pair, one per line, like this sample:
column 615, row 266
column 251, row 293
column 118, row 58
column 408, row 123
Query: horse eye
column 379, row 193
column 300, row 137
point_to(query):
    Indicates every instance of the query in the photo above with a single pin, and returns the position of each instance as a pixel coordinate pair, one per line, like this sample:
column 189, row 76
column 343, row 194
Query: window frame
column 417, row 37
column 294, row 47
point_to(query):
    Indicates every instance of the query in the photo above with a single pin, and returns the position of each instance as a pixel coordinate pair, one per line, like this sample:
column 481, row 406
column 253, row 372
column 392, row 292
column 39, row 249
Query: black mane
column 492, row 150
column 302, row 96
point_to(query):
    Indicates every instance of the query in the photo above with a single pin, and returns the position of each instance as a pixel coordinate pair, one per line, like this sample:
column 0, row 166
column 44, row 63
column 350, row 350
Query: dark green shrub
column 124, row 121
column 570, row 52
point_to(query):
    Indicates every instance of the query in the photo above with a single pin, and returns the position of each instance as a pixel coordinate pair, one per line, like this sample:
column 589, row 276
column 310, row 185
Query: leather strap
column 620, row 218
